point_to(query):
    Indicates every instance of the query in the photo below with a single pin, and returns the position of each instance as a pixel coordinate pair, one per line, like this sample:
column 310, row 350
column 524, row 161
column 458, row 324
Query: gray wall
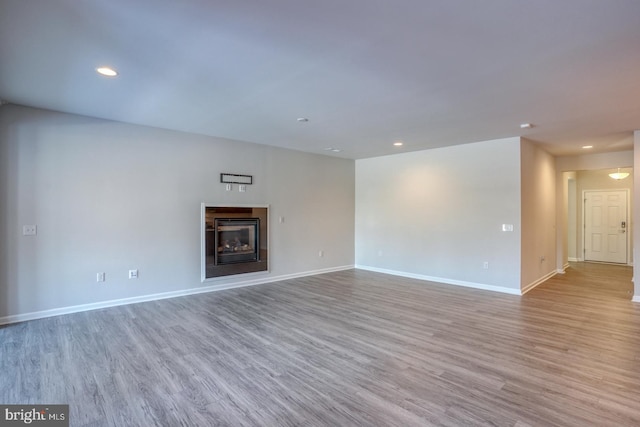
column 438, row 214
column 538, row 196
column 109, row 197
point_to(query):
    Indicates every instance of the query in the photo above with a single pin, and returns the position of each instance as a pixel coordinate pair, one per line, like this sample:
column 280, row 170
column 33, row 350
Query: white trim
column 442, row 280
column 153, row 297
column 574, row 259
column 543, row 279
column 563, row 270
column 245, row 277
column 636, row 298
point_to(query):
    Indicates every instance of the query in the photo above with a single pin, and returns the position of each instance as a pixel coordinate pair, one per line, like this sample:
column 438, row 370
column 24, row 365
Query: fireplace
column 234, row 240
column 237, row 240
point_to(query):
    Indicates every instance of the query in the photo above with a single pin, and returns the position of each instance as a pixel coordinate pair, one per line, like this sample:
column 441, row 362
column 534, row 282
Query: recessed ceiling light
column 526, row 125
column 586, row 147
column 398, row 143
column 335, row 150
column 303, row 119
column 107, row 71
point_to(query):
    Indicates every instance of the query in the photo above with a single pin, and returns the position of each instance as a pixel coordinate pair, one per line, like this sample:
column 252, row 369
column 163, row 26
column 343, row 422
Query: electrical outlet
column 321, row 254
column 100, row 277
column 485, row 265
column 29, row 230
column 133, row 274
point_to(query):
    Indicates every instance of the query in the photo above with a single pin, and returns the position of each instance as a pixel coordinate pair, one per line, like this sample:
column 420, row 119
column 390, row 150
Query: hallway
column 585, row 282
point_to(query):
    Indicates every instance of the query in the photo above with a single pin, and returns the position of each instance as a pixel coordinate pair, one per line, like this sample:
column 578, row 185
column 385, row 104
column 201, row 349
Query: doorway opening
column 598, row 217
column 598, row 212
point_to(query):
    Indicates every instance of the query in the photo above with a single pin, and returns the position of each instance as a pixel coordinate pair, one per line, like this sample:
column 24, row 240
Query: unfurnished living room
column 335, row 213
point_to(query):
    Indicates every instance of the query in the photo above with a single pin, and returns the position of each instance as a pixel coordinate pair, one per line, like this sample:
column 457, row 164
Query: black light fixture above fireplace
column 232, row 178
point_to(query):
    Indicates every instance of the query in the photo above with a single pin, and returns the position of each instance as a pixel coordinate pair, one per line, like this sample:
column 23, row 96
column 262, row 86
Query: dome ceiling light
column 107, row 71
column 619, row 175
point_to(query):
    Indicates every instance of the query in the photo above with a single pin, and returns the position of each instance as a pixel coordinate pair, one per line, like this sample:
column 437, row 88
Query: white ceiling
column 365, row 73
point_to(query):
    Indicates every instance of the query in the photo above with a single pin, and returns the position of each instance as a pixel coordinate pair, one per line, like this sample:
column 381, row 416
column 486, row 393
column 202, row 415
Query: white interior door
column 605, row 226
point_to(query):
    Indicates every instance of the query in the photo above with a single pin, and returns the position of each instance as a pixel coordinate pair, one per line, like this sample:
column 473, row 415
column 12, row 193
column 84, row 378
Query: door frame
column 584, row 224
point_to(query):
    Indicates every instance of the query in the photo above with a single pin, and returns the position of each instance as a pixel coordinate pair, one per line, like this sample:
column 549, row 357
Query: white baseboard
column 573, row 259
column 532, row 285
column 442, row 280
column 636, row 298
column 153, row 297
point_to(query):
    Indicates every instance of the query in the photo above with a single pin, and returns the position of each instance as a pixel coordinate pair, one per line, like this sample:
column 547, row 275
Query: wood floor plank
column 345, row 348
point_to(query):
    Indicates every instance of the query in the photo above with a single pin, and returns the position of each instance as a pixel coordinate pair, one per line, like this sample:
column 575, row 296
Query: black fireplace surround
column 235, row 240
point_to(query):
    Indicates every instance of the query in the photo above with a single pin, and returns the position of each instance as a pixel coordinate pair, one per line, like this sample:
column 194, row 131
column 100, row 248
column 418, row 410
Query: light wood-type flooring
column 351, row 348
